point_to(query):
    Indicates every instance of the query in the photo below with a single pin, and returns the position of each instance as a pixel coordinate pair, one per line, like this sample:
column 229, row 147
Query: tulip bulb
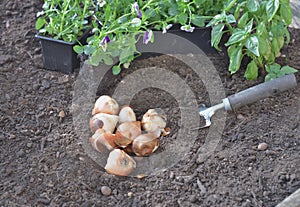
column 145, row 144
column 119, row 163
column 104, row 121
column 152, row 120
column 127, row 132
column 126, row 115
column 106, row 104
column 103, row 141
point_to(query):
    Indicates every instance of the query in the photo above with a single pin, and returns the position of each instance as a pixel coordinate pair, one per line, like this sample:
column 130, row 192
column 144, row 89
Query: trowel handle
column 259, row 92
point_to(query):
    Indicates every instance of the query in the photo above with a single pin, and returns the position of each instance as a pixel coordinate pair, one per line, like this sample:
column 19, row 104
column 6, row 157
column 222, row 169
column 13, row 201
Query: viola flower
column 167, row 28
column 101, row 3
column 147, row 36
column 104, row 42
column 187, row 28
column 136, row 8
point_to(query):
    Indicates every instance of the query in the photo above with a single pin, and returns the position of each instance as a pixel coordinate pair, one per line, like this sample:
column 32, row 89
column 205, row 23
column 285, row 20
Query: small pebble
column 62, row 114
column 29, row 145
column 262, row 146
column 240, row 117
column 19, row 190
column 129, row 194
column 20, row 153
column 105, row 190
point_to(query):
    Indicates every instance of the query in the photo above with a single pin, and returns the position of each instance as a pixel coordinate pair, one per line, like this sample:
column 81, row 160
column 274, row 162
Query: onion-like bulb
column 127, row 132
column 103, row 141
column 152, row 120
column 126, row 114
column 119, row 163
column 106, row 104
column 104, row 121
column 145, row 144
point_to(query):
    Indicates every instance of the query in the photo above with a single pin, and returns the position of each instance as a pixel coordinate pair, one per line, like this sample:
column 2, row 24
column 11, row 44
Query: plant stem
column 63, row 16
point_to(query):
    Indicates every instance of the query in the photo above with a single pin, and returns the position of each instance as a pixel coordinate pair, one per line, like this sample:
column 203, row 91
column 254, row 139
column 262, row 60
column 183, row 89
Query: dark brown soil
column 42, row 161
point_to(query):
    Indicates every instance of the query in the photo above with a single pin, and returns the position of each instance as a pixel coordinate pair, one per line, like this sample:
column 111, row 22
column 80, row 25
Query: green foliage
column 276, row 71
column 256, row 28
column 64, row 19
column 260, row 33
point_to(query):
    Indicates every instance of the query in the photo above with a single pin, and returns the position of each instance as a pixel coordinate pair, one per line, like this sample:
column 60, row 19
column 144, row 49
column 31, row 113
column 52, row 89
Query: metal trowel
column 249, row 96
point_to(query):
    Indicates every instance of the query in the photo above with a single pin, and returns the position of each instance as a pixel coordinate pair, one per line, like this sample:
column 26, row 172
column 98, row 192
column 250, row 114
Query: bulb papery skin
column 106, row 104
column 152, row 120
column 127, row 132
column 103, row 141
column 145, row 144
column 126, row 114
column 104, row 121
column 119, row 163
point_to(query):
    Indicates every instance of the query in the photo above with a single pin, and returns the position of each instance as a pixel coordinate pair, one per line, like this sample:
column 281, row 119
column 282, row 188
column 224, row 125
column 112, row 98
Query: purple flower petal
column 105, row 40
column 147, row 36
column 136, row 7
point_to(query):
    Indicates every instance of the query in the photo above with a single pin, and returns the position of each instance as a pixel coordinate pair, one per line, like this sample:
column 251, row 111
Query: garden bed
column 43, row 161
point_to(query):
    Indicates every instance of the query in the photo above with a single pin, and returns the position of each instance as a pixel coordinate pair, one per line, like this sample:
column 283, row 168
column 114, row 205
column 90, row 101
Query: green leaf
column 270, row 76
column 216, row 35
column 122, row 19
column 218, row 18
column 251, row 71
column 89, row 49
column 150, row 12
column 252, row 5
column 280, row 41
column 107, row 59
column 95, row 59
column 238, row 9
column 262, row 46
column 238, row 35
column 182, row 18
column 274, row 68
column 275, row 47
column 230, row 19
column 252, row 44
column 248, row 26
column 288, row 70
column 78, row 49
column 243, row 20
column 287, row 35
column 261, row 30
column 40, row 22
column 271, row 8
column 230, row 4
column 116, row 69
column 286, row 13
column 198, row 20
column 235, row 55
column 173, row 10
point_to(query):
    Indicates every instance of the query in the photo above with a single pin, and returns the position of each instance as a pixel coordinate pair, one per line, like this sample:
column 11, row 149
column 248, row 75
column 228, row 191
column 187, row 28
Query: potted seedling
column 257, row 29
column 62, row 24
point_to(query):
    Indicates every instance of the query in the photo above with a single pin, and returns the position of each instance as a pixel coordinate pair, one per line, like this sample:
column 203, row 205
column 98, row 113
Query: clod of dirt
column 262, row 146
column 105, row 190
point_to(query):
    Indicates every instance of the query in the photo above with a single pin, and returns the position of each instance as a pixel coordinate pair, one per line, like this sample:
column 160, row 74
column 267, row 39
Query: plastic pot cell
column 59, row 55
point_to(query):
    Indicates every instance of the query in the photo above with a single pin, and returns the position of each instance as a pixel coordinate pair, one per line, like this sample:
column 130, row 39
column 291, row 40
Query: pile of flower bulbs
column 118, row 131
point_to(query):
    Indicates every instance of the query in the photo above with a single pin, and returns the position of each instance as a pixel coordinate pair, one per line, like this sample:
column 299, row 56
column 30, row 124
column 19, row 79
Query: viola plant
column 118, row 25
column 64, row 19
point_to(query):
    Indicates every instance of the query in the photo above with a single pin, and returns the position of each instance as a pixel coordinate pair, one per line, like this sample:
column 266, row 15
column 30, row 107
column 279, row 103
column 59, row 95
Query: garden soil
column 43, row 163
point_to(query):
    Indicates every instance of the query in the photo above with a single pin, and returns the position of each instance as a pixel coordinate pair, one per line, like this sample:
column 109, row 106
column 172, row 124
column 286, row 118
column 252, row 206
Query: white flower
column 187, row 28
